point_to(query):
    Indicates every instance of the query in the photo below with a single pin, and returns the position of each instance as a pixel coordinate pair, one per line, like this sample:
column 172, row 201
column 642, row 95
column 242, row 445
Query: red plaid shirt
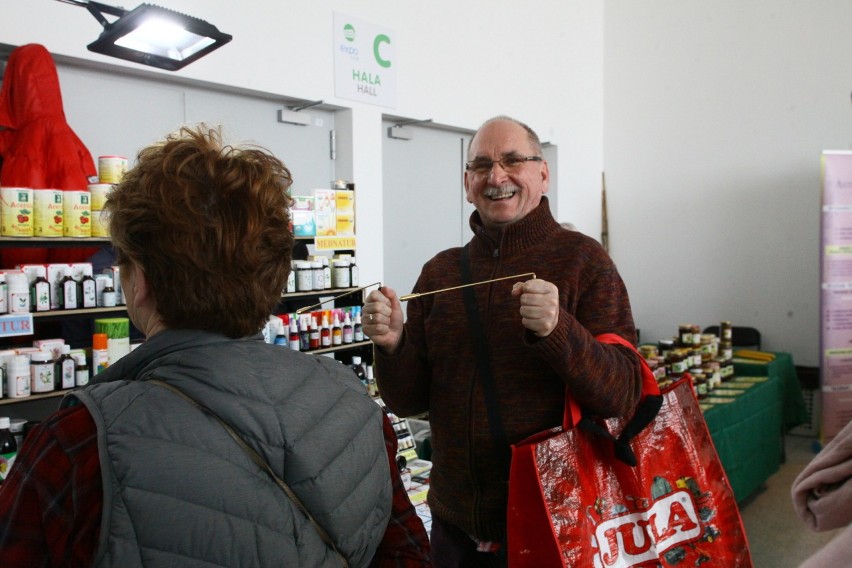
column 50, row 504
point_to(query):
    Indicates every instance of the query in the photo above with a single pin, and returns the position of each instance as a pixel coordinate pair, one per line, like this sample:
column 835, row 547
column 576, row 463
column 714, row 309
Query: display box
column 345, row 200
column 55, row 273
column 325, row 215
column 325, row 199
column 80, row 269
column 345, row 223
column 52, row 345
column 33, row 271
column 304, row 224
column 302, row 213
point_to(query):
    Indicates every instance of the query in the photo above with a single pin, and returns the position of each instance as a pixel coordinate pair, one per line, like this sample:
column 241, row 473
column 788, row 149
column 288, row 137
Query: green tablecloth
column 748, row 428
column 794, row 411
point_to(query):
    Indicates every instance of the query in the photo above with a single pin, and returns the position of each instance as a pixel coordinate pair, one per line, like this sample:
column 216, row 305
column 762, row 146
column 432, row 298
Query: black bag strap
column 256, row 458
column 644, row 415
column 483, row 359
column 647, row 410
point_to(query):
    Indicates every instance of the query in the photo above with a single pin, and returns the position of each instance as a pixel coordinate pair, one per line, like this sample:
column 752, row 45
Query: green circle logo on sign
column 349, row 32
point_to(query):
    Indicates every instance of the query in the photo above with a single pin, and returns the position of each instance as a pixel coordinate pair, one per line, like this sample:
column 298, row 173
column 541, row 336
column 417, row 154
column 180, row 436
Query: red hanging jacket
column 38, row 148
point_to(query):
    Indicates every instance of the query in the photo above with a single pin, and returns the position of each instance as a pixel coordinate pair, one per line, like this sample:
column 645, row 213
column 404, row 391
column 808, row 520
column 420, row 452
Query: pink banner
column 836, row 296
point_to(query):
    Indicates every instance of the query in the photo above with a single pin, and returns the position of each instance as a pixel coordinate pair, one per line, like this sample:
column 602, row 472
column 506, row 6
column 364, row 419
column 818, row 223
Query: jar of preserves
column 710, row 370
column 694, row 357
column 696, row 336
column 699, row 381
column 708, row 347
column 665, row 346
column 726, row 331
column 648, row 351
column 726, row 349
column 684, row 334
column 677, row 363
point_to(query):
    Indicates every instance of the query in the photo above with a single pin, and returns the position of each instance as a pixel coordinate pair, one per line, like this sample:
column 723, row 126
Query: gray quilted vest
column 178, row 491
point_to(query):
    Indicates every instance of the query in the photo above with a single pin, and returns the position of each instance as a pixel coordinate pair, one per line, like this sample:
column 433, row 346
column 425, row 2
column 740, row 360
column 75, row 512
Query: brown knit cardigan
column 435, row 368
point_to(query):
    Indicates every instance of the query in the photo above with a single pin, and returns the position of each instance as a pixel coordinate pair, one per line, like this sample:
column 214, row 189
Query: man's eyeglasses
column 510, row 163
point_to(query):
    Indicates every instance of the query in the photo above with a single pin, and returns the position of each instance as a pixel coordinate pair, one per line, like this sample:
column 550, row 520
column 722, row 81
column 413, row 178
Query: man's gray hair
column 531, row 135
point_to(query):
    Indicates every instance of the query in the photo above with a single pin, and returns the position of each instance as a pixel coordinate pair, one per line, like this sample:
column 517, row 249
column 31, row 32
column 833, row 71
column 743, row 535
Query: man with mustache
column 540, row 336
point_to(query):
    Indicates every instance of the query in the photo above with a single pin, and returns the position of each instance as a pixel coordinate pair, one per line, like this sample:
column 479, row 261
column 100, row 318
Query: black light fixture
column 152, row 35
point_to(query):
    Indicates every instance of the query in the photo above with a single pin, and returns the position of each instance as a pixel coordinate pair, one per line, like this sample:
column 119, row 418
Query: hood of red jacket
column 38, row 147
column 30, row 89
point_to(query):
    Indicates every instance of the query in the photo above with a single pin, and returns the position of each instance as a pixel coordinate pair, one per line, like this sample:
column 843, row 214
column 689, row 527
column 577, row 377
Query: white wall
column 458, row 63
column 715, row 117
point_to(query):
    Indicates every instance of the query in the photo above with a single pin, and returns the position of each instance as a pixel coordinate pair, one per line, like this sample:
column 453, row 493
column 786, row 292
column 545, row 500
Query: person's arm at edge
column 50, row 505
column 405, row 542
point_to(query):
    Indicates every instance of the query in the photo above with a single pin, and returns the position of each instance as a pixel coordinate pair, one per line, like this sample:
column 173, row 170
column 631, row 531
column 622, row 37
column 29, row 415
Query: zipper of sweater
column 496, row 253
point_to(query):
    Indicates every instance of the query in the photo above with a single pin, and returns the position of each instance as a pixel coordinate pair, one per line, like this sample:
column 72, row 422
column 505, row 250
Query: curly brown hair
column 209, row 224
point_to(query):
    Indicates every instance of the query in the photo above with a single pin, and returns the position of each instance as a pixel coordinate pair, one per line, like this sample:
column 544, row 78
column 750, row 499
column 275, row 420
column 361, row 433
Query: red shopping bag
column 574, row 502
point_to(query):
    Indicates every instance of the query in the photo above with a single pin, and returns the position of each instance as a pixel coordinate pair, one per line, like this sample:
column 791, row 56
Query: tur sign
column 364, row 63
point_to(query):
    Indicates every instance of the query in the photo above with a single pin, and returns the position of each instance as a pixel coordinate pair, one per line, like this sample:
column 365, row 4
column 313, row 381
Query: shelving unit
column 34, row 397
column 47, row 242
column 288, row 304
column 53, row 323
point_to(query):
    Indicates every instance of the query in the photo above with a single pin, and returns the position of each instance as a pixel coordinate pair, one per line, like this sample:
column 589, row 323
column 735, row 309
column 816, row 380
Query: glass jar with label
column 684, row 334
column 304, row 276
column 726, row 331
column 666, row 346
column 340, row 275
column 699, row 382
column 726, row 349
column 677, row 363
column 317, row 275
column 648, row 351
column 42, row 372
column 696, row 336
column 18, row 376
column 19, row 292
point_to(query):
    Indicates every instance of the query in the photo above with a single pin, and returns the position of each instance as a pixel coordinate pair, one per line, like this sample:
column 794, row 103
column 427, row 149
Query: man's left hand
column 539, row 305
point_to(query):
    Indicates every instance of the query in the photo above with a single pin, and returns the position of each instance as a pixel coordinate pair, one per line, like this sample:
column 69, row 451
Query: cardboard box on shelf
column 326, row 223
column 302, row 213
column 345, row 200
column 345, row 223
column 55, row 273
column 325, row 199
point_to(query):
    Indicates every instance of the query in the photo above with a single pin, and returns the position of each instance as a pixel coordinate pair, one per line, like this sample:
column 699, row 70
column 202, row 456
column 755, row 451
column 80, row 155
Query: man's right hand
column 381, row 319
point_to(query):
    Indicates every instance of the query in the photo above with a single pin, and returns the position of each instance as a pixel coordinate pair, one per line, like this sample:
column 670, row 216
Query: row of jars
column 320, row 273
column 706, row 357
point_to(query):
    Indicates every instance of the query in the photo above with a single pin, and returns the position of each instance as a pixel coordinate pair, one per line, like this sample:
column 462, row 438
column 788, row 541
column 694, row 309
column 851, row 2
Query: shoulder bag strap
column 256, row 458
column 483, row 359
column 650, row 404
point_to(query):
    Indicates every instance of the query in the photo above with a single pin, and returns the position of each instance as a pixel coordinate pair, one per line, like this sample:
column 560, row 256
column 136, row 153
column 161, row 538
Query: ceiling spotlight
column 152, row 35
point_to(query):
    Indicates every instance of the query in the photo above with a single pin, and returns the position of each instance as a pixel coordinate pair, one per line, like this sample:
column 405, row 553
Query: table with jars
column 748, row 404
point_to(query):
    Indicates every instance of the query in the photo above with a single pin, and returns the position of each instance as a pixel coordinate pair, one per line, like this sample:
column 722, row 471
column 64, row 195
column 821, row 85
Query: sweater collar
column 512, row 239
